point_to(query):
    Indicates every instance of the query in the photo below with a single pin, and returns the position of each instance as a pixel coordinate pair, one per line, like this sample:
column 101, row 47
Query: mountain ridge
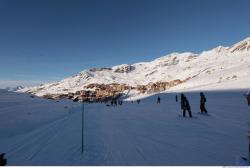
column 170, row 72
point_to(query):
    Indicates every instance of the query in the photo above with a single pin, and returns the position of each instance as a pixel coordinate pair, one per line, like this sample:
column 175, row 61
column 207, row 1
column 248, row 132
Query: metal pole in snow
column 82, row 125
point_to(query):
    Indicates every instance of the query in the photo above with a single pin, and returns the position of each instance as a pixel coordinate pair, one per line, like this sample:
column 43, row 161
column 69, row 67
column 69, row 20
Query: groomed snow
column 43, row 132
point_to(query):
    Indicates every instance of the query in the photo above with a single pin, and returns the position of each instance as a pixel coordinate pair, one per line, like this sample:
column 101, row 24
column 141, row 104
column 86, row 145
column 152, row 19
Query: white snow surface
column 219, row 68
column 35, row 131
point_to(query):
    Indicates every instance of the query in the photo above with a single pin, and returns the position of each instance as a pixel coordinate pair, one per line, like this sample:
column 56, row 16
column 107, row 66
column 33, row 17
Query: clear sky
column 47, row 40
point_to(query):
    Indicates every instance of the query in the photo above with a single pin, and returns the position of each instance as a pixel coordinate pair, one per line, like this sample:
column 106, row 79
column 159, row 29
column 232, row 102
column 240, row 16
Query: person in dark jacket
column 3, row 161
column 176, row 98
column 185, row 106
column 202, row 103
column 158, row 100
column 115, row 102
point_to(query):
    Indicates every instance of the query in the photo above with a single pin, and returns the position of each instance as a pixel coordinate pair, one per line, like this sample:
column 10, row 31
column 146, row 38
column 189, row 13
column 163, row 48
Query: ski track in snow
column 138, row 134
column 36, row 141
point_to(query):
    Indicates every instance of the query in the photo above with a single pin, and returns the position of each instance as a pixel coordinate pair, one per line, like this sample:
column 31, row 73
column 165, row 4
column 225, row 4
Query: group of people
column 114, row 102
column 185, row 106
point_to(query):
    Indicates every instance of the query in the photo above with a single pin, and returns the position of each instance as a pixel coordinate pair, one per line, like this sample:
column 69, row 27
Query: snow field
column 131, row 134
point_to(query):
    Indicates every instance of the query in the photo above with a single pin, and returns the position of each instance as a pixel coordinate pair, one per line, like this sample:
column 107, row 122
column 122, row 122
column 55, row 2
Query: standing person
column 158, row 100
column 202, row 103
column 249, row 143
column 185, row 106
column 248, row 97
column 3, row 161
column 176, row 98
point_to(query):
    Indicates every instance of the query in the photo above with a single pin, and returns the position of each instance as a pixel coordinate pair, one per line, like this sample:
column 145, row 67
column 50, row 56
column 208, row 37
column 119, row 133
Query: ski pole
column 82, row 125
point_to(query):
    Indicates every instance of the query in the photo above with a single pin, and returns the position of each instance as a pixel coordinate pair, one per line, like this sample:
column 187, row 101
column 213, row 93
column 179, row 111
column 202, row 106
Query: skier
column 245, row 161
column 247, row 95
column 185, row 106
column 3, row 161
column 176, row 98
column 249, row 143
column 138, row 101
column 202, row 103
column 158, row 100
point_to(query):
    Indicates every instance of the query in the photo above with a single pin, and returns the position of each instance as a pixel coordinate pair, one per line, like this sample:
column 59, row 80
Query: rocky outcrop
column 98, row 93
column 124, row 69
column 160, row 86
column 100, row 69
column 141, row 88
column 112, row 86
column 103, row 92
column 56, row 96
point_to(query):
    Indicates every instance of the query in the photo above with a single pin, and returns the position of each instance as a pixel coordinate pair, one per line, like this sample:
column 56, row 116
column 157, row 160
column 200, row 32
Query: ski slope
column 35, row 131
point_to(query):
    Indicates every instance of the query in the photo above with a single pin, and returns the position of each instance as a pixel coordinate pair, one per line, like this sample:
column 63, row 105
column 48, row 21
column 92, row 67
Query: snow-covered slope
column 13, row 89
column 220, row 68
column 35, row 131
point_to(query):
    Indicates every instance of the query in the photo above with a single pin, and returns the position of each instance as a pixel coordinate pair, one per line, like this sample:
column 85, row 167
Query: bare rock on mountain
column 100, row 69
column 241, row 46
column 124, row 68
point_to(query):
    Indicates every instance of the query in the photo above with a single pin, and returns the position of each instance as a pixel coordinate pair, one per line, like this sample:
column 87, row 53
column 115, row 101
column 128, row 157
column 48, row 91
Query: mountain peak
column 246, row 39
column 176, row 54
column 13, row 89
column 242, row 46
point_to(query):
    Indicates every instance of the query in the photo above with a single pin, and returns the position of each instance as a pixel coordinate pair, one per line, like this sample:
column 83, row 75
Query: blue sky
column 47, row 40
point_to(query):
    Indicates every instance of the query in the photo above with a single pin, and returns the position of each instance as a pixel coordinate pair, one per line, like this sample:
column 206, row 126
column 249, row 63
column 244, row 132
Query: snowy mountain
column 219, row 68
column 13, row 89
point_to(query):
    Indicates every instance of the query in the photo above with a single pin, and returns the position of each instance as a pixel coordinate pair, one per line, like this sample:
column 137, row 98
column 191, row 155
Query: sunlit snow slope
column 219, row 68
